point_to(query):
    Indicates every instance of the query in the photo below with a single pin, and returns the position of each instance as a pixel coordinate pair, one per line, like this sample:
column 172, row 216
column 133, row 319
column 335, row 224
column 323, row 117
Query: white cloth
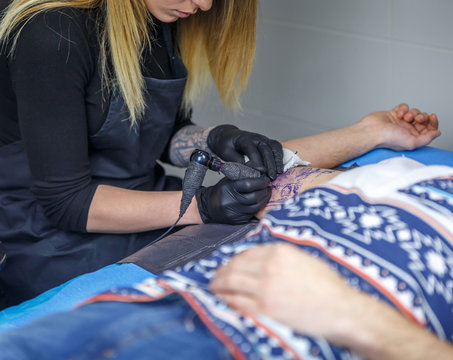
column 388, row 179
column 388, row 176
column 291, row 159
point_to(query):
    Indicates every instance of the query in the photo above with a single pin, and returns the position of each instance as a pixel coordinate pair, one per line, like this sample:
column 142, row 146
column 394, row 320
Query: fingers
column 250, row 195
column 411, row 114
column 421, row 122
column 249, row 263
column 268, row 158
column 407, row 114
column 414, row 115
column 262, row 279
column 421, row 117
column 425, row 138
column 240, row 282
column 255, row 154
column 234, row 156
column 251, row 184
column 231, row 144
column 254, row 201
column 234, row 279
column 266, row 155
column 277, row 151
column 433, row 122
column 401, row 109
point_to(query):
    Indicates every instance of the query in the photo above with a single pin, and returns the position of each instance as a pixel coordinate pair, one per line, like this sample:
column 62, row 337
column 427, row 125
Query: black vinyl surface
column 190, row 243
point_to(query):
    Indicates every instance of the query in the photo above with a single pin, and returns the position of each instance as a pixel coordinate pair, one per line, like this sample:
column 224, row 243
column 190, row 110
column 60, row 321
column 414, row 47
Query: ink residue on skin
column 289, row 184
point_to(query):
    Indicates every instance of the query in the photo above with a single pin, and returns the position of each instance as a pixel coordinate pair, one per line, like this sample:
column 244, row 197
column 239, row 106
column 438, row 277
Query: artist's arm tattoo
column 185, row 141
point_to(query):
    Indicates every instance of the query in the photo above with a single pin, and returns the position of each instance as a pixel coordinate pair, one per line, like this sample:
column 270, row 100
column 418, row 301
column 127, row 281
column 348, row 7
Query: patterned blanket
column 396, row 245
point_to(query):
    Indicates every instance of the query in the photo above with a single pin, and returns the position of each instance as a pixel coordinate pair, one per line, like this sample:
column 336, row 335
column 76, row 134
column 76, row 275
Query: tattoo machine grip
column 193, row 179
column 238, row 171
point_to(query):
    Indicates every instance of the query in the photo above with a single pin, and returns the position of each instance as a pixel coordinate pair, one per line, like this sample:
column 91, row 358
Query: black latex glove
column 233, row 202
column 231, row 144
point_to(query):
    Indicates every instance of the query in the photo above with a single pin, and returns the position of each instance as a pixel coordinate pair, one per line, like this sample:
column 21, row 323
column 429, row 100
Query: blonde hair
column 218, row 45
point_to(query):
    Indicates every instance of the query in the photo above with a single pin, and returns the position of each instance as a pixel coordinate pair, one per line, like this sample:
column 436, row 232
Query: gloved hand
column 231, row 144
column 233, row 202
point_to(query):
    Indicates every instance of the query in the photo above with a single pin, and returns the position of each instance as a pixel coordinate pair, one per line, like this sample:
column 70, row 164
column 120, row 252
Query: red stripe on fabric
column 218, row 333
column 116, row 297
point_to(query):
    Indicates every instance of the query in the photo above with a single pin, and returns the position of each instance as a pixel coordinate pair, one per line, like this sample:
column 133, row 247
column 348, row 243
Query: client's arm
column 398, row 129
column 297, row 289
column 295, row 181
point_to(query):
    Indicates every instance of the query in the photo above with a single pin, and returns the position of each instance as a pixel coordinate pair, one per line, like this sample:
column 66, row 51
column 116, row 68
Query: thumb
column 427, row 137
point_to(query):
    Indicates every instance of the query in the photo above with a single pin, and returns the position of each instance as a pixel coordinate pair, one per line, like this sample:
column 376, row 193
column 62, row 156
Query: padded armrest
column 193, row 242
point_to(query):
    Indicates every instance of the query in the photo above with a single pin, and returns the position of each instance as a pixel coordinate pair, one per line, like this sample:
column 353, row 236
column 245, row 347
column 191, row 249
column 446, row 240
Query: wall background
column 323, row 64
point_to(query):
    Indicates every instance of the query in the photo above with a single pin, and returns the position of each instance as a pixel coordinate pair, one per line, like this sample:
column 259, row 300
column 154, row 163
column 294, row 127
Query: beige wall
column 322, row 64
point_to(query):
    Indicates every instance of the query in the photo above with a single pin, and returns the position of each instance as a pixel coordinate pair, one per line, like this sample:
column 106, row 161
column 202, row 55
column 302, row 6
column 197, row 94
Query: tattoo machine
column 200, row 162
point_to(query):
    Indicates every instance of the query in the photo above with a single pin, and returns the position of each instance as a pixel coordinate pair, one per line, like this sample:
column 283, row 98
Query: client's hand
column 402, row 128
column 301, row 291
column 289, row 285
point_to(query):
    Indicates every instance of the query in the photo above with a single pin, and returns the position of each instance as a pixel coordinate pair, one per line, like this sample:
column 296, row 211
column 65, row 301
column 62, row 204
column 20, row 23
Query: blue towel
column 69, row 294
column 426, row 155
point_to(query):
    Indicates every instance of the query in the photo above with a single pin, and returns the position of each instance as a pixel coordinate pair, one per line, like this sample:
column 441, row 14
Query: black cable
column 168, row 230
column 193, row 179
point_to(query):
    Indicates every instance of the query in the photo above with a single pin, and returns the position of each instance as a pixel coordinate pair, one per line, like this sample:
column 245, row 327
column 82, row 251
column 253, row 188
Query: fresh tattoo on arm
column 185, row 141
column 295, row 181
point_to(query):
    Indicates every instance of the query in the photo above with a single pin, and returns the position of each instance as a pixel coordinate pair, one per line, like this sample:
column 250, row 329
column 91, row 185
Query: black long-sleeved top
column 51, row 99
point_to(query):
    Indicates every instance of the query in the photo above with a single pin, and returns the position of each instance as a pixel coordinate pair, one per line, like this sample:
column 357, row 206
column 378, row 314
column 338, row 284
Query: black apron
column 40, row 256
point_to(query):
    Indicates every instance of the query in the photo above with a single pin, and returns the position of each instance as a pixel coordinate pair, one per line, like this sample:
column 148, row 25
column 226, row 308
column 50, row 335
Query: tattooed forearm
column 185, row 141
column 295, row 181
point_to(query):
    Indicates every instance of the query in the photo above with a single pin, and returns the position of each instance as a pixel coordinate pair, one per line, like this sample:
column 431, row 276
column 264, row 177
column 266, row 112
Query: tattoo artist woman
column 92, row 94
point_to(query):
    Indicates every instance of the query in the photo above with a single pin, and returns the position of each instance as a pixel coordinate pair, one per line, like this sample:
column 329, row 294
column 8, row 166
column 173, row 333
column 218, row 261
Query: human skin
column 171, row 10
column 401, row 128
column 267, row 280
column 295, row 181
column 117, row 210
